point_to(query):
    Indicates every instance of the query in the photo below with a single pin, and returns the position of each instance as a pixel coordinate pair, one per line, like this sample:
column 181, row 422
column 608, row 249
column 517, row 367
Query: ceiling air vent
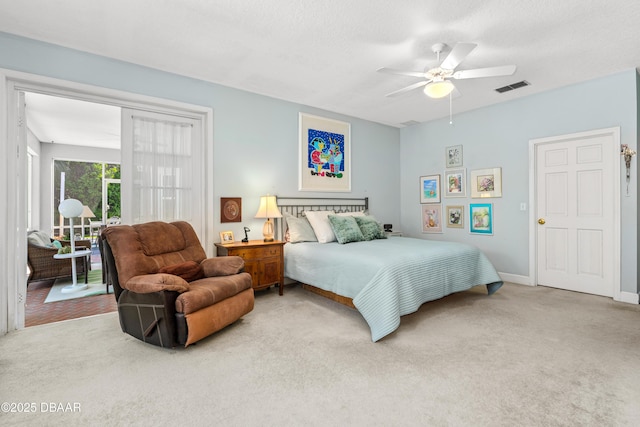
column 410, row 123
column 512, row 86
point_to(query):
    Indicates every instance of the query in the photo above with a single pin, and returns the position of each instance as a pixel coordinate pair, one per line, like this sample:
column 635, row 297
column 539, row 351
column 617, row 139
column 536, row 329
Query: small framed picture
column 481, row 218
column 226, row 237
column 454, row 156
column 455, row 216
column 455, row 183
column 230, row 209
column 486, row 183
column 432, row 219
column 430, row 189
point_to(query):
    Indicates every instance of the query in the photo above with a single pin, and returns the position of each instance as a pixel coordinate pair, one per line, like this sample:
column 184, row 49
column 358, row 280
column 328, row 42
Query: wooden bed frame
column 297, row 205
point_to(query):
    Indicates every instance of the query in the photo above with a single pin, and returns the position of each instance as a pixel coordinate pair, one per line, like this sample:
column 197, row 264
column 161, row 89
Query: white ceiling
column 66, row 121
column 325, row 53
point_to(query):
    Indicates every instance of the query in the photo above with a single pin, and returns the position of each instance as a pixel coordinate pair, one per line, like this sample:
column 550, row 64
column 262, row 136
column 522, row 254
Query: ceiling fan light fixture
column 438, row 89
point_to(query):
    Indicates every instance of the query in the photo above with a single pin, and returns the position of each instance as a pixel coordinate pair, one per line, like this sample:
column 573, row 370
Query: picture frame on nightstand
column 226, row 237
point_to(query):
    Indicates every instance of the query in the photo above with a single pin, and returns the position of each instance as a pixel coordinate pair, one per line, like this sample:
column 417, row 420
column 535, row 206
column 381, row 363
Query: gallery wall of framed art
column 482, row 183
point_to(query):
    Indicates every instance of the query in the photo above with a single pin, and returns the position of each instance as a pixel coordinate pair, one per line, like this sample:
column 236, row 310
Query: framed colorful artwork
column 481, row 218
column 455, row 216
column 226, row 237
column 453, row 156
column 455, row 183
column 430, row 189
column 486, row 183
column 325, row 154
column 230, row 209
column 432, row 218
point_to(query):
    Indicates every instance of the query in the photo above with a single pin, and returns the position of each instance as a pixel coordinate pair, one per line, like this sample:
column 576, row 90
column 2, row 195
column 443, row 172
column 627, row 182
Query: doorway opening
column 15, row 84
column 65, row 137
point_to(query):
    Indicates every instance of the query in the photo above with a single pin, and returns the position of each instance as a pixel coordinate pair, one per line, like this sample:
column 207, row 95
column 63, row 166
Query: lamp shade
column 87, row 212
column 70, row 208
column 268, row 208
column 438, row 89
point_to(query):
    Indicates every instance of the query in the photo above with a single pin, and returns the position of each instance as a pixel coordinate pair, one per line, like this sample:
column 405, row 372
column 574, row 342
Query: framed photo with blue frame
column 481, row 218
column 430, row 189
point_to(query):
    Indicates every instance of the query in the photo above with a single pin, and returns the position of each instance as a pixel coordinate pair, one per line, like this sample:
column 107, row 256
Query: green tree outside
column 83, row 181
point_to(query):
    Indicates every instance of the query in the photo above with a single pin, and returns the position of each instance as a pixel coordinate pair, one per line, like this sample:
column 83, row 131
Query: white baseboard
column 515, row 278
column 629, row 297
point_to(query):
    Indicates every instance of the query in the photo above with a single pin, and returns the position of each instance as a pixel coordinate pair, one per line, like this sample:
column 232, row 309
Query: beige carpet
column 522, row 357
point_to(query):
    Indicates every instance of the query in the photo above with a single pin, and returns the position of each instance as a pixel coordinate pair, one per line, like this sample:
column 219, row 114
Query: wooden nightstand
column 393, row 233
column 263, row 260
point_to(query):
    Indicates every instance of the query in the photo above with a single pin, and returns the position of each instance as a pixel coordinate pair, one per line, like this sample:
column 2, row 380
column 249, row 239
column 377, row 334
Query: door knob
column 541, row 221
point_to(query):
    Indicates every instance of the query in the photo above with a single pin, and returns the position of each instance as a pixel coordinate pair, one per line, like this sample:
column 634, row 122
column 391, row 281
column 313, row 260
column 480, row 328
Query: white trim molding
column 628, row 297
column 515, row 278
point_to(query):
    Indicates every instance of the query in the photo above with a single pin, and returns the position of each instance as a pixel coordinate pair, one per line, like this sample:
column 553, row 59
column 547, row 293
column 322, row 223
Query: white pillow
column 299, row 229
column 321, row 226
column 40, row 238
column 358, row 213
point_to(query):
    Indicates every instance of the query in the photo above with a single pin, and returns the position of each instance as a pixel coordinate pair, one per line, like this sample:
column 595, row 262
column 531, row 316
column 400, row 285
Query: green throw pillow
column 345, row 228
column 370, row 228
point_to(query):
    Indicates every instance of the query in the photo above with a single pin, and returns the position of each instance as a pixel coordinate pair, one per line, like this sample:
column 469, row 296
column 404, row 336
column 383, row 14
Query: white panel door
column 575, row 214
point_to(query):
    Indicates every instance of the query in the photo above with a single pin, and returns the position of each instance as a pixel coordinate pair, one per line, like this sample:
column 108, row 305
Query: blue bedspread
column 392, row 277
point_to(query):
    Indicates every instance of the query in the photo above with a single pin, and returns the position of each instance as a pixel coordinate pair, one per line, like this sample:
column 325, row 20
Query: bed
column 383, row 278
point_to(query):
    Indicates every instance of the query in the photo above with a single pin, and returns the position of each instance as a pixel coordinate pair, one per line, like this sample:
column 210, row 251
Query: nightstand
column 393, row 233
column 263, row 260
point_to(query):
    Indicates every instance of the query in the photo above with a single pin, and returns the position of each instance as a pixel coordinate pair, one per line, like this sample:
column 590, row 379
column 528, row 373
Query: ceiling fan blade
column 457, row 54
column 401, row 72
column 408, row 88
column 505, row 70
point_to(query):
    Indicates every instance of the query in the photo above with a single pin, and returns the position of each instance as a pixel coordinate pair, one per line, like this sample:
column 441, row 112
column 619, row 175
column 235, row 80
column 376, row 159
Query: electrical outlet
column 523, row 206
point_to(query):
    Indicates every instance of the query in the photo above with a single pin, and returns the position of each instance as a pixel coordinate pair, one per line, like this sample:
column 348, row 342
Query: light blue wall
column 255, row 137
column 498, row 136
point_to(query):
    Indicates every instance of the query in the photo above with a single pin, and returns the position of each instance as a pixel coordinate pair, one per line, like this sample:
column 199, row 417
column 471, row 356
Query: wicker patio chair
column 42, row 265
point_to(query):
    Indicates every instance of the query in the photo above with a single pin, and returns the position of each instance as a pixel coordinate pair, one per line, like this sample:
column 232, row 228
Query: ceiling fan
column 437, row 83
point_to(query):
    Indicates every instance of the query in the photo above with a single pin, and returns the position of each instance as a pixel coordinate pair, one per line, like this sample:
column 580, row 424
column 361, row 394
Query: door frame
column 614, row 132
column 105, row 195
column 12, row 226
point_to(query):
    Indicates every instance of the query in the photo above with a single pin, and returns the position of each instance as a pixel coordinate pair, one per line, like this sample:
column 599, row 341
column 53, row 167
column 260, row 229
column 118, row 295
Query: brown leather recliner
column 168, row 291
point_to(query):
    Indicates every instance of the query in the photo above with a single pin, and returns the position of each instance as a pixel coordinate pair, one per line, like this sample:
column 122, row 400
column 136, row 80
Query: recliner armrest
column 148, row 283
column 222, row 266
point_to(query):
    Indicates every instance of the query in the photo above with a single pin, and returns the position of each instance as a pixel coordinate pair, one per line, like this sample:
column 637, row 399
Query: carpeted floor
column 526, row 356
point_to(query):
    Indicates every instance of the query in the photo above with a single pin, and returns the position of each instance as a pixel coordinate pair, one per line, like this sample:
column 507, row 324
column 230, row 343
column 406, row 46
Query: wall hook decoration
column 628, row 154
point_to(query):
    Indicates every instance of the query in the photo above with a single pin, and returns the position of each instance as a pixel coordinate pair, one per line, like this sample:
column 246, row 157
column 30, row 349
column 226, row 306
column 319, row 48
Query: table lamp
column 86, row 213
column 268, row 209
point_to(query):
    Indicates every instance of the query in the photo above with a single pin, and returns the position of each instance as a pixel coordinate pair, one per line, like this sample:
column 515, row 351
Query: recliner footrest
column 148, row 317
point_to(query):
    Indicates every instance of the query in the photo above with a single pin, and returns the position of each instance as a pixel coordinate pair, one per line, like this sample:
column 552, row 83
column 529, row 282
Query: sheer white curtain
column 162, row 180
column 163, row 167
